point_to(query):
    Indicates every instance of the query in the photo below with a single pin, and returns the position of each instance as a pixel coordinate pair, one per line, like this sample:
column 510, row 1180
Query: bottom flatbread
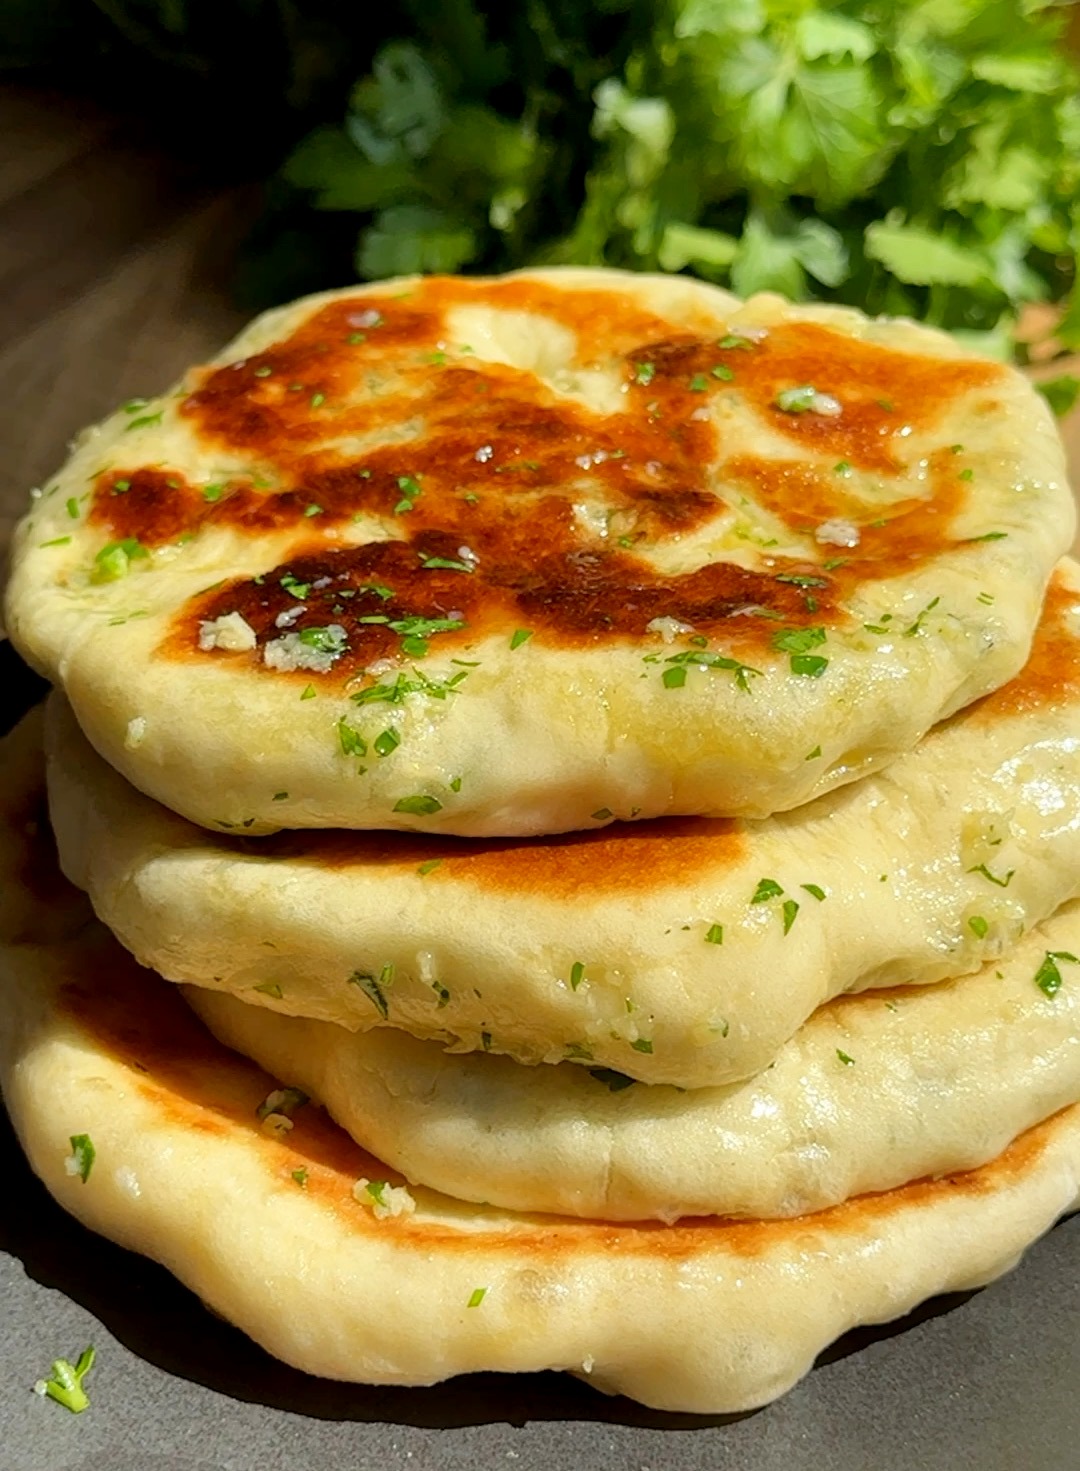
column 271, row 1231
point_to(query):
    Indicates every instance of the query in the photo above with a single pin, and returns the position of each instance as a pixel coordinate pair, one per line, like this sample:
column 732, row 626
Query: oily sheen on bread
column 675, row 952
column 872, row 1092
column 532, row 554
column 277, row 1230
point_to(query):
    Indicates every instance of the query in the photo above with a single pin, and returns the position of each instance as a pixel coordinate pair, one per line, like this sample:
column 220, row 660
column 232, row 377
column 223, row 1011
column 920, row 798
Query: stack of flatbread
column 600, row 764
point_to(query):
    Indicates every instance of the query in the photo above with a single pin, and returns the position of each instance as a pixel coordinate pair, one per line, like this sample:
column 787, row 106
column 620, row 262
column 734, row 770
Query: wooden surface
column 113, row 278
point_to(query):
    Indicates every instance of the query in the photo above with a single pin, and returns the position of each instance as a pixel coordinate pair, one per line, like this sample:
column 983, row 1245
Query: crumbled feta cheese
column 277, row 1124
column 369, row 318
column 484, row 453
column 668, row 628
column 231, row 631
column 127, row 1181
column 699, row 416
column 385, row 1201
column 586, row 462
column 135, row 733
column 290, row 652
column 837, row 533
column 72, row 1165
column 468, row 555
column 289, row 617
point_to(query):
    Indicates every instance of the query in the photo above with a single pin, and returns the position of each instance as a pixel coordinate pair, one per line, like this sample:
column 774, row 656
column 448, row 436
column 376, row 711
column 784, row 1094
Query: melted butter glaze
column 371, row 409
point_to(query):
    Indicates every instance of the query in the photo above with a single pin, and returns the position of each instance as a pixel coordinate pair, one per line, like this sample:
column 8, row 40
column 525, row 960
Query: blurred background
column 170, row 166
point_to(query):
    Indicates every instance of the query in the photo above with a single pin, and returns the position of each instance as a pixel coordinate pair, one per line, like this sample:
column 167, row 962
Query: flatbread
column 872, row 1092
column 544, row 551
column 640, row 948
column 270, row 1230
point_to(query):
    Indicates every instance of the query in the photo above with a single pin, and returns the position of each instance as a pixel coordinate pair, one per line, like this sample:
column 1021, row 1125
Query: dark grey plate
column 985, row 1382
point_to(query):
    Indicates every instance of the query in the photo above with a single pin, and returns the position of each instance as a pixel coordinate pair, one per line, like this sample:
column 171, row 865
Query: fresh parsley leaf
column 66, row 1384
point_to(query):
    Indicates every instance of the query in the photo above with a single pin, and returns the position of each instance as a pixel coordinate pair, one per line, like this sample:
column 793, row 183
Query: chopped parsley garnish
column 714, row 935
column 577, row 974
column 602, row 814
column 145, row 420
column 815, row 891
column 813, row 755
column 1048, row 976
column 476, row 1297
column 376, row 1189
column 374, row 989
column 329, row 640
column 313, row 510
column 415, row 631
column 300, row 1176
column 767, row 889
column 299, row 590
column 798, row 642
column 799, row 580
column 723, row 372
column 121, row 487
column 844, row 1058
column 968, row 474
column 642, row 1044
column 115, row 559
column 989, row 536
column 702, row 659
column 421, row 805
column 73, row 508
column 455, row 783
column 699, row 383
column 1001, row 883
column 796, row 400
column 309, row 693
column 429, row 867
column 644, row 373
column 916, row 627
column 734, row 340
column 387, row 742
column 978, row 926
column 66, row 1384
column 791, row 910
column 410, row 493
column 281, row 797
column 394, row 693
column 212, row 492
column 520, row 636
column 448, row 564
column 351, row 741
column 263, row 371
column 269, row 988
column 81, row 1160
column 60, row 541
column 317, row 400
column 842, row 468
column 442, row 993
column 378, row 588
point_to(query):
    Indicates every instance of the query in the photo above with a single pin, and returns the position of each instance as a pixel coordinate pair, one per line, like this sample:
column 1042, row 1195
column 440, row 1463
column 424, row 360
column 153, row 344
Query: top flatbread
column 521, row 555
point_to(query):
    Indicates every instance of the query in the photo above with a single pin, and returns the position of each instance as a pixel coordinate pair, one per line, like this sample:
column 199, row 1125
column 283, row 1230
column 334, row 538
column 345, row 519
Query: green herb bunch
column 906, row 156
